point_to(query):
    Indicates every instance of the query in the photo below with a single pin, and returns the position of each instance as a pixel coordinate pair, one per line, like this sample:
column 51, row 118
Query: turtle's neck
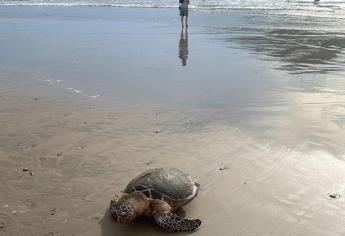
column 139, row 202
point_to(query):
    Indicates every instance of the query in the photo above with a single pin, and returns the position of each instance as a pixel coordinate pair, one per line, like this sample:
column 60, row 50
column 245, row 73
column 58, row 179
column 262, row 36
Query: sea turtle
column 157, row 193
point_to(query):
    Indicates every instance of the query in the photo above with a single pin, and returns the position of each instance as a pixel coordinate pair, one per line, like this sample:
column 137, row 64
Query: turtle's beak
column 113, row 208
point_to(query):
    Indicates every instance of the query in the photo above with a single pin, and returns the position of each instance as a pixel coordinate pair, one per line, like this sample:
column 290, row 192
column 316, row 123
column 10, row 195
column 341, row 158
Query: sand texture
column 61, row 164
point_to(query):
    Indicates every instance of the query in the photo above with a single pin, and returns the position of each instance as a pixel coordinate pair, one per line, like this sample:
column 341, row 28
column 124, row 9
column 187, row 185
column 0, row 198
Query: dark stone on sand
column 25, row 169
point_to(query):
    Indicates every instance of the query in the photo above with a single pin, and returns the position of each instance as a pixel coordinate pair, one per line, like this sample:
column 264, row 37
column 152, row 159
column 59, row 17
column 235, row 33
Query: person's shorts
column 183, row 11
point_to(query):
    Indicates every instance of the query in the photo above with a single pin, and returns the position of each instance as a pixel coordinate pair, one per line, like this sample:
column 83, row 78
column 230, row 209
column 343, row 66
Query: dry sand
column 79, row 155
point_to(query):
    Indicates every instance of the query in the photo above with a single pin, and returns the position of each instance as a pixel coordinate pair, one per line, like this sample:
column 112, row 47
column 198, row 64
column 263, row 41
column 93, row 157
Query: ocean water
column 323, row 8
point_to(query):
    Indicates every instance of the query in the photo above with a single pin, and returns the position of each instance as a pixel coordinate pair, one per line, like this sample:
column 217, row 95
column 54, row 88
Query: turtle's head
column 128, row 207
column 123, row 212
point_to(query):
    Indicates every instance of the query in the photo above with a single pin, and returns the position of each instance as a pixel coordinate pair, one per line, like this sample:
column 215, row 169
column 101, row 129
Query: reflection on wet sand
column 301, row 51
column 183, row 47
column 304, row 110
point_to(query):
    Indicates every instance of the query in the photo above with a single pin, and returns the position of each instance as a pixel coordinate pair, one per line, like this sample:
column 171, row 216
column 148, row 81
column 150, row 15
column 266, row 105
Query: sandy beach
column 91, row 97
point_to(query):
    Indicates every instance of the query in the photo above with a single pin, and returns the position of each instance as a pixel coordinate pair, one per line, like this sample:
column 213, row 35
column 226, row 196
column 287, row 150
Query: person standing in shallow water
column 184, row 12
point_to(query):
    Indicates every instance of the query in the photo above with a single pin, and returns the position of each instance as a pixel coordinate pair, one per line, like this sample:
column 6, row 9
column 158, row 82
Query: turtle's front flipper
column 173, row 223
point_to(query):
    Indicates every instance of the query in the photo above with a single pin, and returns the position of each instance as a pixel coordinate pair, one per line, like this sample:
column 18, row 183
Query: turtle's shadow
column 140, row 226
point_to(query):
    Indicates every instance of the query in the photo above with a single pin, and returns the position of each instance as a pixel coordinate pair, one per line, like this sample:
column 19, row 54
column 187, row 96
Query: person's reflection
column 183, row 47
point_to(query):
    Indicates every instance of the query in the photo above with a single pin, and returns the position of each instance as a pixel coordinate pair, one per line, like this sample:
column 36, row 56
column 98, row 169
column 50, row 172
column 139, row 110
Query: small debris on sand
column 52, row 211
column 148, row 162
column 222, row 167
column 32, row 173
column 2, row 225
column 25, row 169
column 333, row 195
column 157, row 131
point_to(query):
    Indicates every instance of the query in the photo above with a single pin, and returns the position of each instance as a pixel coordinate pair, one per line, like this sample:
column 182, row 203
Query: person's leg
column 181, row 14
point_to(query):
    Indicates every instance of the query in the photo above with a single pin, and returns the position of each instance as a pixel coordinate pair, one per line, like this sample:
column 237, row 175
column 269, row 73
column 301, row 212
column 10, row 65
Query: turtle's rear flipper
column 173, row 223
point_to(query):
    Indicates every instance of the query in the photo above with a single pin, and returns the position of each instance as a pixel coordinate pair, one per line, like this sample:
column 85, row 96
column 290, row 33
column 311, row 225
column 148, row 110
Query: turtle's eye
column 123, row 213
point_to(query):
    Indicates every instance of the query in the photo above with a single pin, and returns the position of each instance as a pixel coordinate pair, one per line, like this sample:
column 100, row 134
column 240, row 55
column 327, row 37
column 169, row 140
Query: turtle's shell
column 168, row 184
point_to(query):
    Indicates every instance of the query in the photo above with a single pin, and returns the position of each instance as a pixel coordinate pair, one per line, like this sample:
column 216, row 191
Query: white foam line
column 77, row 91
column 52, row 81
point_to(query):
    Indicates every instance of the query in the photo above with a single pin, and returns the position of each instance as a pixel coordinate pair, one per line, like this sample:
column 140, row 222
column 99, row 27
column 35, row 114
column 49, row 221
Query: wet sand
column 80, row 155
column 267, row 149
